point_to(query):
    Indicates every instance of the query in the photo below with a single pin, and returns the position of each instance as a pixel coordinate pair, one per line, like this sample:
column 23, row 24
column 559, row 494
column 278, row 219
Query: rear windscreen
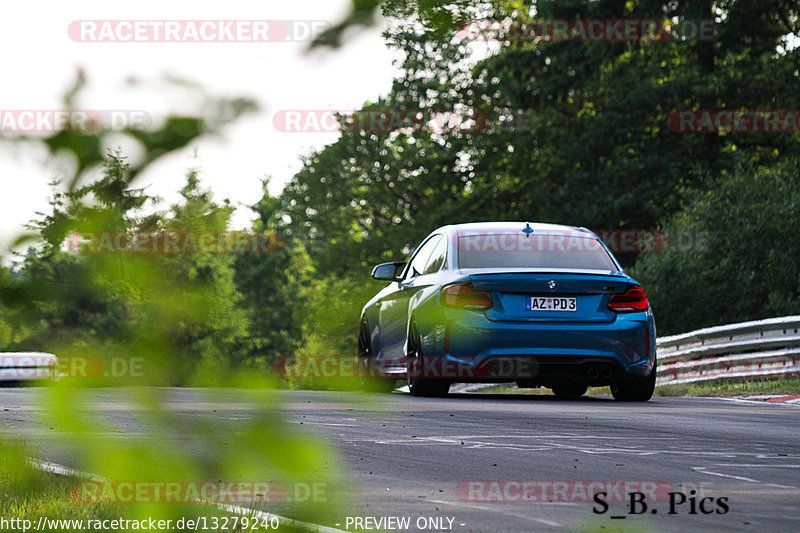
column 512, row 250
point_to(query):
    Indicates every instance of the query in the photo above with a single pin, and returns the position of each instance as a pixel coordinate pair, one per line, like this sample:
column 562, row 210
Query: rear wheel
column 417, row 384
column 638, row 390
column 569, row 391
column 367, row 375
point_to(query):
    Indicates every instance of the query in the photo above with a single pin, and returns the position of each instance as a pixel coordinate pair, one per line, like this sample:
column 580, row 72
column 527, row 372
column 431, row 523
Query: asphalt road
column 464, row 458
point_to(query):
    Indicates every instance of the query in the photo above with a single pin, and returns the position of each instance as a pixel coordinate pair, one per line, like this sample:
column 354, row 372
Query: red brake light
column 635, row 299
column 466, row 297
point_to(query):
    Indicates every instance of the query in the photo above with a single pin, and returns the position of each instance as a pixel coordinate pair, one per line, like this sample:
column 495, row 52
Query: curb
column 61, row 470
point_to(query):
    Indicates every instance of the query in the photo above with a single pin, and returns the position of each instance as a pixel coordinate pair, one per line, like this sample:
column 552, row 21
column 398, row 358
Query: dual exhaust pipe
column 599, row 372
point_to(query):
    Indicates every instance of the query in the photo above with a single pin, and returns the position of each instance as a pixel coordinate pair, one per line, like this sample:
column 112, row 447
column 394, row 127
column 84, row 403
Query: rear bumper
column 475, row 349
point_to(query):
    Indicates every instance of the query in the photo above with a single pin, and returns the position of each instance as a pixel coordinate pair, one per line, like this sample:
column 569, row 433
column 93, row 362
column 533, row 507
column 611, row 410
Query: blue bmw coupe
column 540, row 305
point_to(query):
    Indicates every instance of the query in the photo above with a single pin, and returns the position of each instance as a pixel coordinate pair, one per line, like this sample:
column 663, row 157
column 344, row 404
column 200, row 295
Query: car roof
column 484, row 228
column 506, row 227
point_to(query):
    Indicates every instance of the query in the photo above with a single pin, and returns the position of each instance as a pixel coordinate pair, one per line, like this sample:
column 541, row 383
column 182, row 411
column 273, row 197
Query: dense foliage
column 574, row 132
column 580, row 133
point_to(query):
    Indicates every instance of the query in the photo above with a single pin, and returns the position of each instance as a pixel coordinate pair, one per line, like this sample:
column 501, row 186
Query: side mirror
column 388, row 271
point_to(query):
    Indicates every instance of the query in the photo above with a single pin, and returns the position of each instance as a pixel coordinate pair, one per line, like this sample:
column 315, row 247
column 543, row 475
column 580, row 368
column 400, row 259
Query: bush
column 744, row 263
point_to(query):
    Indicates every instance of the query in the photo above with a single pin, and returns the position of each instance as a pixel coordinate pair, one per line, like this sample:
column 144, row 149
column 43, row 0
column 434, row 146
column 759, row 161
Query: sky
column 44, row 49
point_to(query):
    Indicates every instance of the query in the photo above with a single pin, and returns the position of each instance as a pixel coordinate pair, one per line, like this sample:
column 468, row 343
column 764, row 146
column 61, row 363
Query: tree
column 75, row 299
column 181, row 309
column 577, row 132
column 274, row 286
column 734, row 253
column 195, row 305
column 395, row 173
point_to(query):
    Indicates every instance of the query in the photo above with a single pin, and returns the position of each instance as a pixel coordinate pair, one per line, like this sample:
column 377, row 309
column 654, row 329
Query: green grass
column 732, row 388
column 28, row 494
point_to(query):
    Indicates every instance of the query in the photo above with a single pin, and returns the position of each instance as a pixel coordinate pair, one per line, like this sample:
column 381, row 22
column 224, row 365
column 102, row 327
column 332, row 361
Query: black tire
column 415, row 363
column 569, row 391
column 366, row 377
column 635, row 390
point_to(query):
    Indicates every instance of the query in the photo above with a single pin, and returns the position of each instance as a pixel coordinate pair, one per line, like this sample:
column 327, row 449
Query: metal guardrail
column 27, row 366
column 749, row 350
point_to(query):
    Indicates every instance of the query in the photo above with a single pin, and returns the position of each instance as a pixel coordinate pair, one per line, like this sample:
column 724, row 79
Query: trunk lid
column 550, row 296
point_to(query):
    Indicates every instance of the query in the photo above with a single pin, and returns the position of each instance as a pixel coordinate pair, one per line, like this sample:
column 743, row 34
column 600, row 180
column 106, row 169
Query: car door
column 393, row 313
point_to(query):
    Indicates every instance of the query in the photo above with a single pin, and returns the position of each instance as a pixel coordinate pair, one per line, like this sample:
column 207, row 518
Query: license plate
column 535, row 303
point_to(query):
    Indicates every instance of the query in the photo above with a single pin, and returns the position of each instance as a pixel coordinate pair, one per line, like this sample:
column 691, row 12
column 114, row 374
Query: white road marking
column 496, row 510
column 762, row 403
column 703, row 470
column 756, row 465
column 314, row 423
column 552, row 443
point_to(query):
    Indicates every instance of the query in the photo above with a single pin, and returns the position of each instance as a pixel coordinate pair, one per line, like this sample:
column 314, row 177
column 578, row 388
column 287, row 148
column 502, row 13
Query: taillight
column 466, row 297
column 635, row 299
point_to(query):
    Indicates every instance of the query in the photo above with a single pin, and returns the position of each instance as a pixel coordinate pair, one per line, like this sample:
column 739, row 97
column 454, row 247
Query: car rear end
column 544, row 307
